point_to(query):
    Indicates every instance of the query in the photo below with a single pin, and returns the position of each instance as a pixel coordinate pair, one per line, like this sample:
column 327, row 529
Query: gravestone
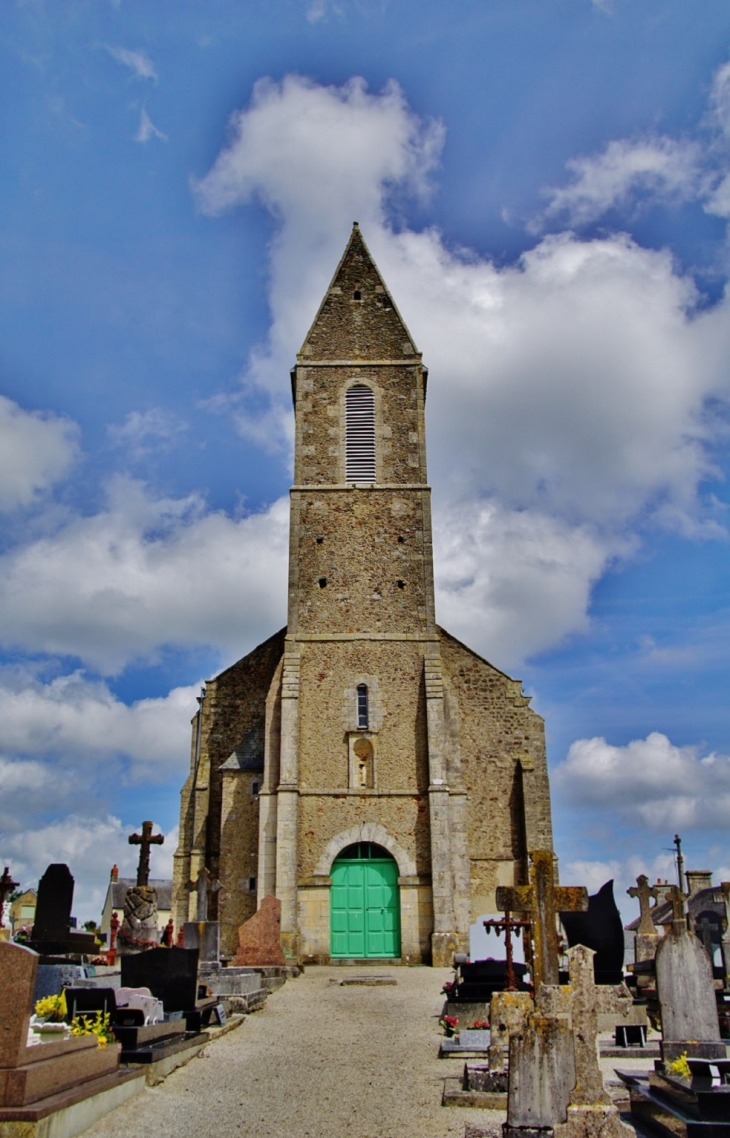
column 541, row 1076
column 557, row 1082
column 507, row 1015
column 51, row 979
column 686, row 994
column 542, row 899
column 29, row 1075
column 171, row 974
column 259, row 938
column 647, row 938
column 139, row 931
column 600, row 928
column 205, row 937
column 52, row 933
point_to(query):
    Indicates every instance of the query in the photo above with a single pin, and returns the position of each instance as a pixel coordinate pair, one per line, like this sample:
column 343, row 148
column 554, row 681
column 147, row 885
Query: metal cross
column 144, row 841
column 507, row 925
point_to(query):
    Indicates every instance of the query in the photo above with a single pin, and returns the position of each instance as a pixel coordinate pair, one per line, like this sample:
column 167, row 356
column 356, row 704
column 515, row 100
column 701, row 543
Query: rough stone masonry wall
column 502, row 752
column 371, row 549
column 330, row 673
column 234, row 703
column 320, row 423
column 367, row 327
column 239, row 854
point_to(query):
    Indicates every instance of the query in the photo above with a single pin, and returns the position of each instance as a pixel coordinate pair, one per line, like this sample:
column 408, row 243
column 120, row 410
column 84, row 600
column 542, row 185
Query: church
column 362, row 765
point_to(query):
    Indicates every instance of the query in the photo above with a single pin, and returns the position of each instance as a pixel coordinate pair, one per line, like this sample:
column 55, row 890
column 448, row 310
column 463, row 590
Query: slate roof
column 119, row 891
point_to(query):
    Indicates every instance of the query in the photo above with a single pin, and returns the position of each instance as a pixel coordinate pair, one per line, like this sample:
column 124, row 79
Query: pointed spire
column 358, row 319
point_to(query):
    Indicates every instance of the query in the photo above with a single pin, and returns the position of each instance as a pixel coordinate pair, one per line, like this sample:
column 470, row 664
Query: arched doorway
column 364, row 903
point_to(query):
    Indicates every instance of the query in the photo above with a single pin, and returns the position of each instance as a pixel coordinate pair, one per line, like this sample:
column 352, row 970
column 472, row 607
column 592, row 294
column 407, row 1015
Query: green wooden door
column 365, row 907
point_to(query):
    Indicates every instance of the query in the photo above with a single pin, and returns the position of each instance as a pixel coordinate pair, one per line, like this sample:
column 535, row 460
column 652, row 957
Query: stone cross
column 6, row 888
column 543, row 900
column 201, row 888
column 144, row 841
column 704, row 929
column 679, row 906
column 644, row 891
column 588, row 1000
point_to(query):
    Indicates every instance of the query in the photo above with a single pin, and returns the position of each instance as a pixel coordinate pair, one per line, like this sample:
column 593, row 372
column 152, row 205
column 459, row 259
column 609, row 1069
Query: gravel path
column 318, row 1061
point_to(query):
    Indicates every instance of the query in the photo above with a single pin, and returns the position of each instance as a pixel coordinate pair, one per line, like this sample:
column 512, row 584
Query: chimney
column 698, row 879
column 115, row 873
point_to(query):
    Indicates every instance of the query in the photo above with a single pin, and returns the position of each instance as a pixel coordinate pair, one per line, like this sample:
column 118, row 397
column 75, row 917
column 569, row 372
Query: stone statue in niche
column 363, row 749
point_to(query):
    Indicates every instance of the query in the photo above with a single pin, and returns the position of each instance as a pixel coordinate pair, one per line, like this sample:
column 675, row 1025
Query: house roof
column 700, row 902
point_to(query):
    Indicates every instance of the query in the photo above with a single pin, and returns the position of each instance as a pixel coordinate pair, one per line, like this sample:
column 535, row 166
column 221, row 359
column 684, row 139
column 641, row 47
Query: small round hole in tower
column 320, row 539
column 357, row 295
column 401, row 584
column 401, row 539
column 323, row 582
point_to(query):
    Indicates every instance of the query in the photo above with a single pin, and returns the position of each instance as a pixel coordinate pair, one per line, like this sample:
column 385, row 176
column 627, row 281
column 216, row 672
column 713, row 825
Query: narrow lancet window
column 360, row 434
column 362, row 706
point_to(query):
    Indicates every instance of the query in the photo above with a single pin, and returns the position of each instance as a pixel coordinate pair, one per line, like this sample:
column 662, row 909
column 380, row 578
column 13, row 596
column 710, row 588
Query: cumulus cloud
column 36, row 450
column 79, row 719
column 147, row 129
column 649, row 781
column 511, row 583
column 145, row 573
column 138, row 62
column 659, row 168
column 572, row 384
column 77, row 840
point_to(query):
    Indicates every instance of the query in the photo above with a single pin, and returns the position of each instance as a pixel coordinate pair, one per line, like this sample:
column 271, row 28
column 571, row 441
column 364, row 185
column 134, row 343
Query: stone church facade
column 365, row 767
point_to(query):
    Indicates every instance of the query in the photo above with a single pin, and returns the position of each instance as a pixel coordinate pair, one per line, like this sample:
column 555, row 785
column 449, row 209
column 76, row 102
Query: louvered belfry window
column 360, row 434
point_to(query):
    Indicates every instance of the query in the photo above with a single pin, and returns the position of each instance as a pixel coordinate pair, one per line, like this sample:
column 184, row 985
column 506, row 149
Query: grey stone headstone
column 686, row 994
column 541, row 1074
column 51, row 979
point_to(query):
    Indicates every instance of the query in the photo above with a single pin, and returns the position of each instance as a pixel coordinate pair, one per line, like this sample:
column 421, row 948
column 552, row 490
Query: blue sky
column 546, row 189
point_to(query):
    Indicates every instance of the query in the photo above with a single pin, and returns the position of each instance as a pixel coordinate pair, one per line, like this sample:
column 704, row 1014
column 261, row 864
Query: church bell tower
column 374, row 774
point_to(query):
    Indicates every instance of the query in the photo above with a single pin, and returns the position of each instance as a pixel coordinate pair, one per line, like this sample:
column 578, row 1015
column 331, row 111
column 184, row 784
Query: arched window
column 360, row 434
column 362, row 706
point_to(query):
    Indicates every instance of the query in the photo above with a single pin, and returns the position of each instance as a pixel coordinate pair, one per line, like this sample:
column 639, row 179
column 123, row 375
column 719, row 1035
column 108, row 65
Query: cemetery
column 566, row 1042
column 365, row 870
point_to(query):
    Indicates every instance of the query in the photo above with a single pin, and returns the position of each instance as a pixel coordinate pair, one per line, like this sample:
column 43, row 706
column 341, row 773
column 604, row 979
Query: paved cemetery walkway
column 318, row 1061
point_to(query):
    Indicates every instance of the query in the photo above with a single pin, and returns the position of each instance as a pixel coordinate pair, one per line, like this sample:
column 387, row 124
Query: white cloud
column 511, row 583
column 36, row 450
column 145, row 573
column 571, row 384
column 89, row 846
column 657, row 168
column 137, row 61
column 145, row 431
column 649, row 781
column 80, row 720
column 720, row 99
column 147, row 129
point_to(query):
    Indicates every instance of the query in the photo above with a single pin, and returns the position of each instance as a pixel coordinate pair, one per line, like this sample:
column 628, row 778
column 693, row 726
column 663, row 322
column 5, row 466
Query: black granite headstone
column 601, row 929
column 171, row 974
column 53, row 906
column 53, row 934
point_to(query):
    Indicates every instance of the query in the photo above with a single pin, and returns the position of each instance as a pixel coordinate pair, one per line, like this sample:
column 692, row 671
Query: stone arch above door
column 367, row 832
